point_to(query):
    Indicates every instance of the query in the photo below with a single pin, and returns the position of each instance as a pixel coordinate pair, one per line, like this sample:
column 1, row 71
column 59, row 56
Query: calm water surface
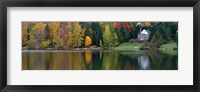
column 99, row 60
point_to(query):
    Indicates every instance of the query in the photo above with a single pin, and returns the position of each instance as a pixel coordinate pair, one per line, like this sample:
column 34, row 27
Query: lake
column 99, row 60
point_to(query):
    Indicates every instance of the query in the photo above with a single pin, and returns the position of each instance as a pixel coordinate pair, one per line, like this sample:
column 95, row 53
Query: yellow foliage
column 58, row 40
column 147, row 23
column 103, row 24
column 70, row 39
column 78, row 34
column 88, row 41
column 107, row 36
column 46, row 43
column 88, row 57
column 39, row 26
column 116, row 37
column 43, row 26
column 53, row 27
column 24, row 36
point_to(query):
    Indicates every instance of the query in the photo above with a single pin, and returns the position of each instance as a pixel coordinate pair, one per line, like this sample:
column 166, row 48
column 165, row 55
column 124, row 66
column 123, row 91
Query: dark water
column 99, row 60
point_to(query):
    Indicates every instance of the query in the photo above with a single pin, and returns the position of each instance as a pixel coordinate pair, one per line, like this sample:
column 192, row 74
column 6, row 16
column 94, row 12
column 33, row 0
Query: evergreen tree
column 125, row 34
column 119, row 34
column 47, row 32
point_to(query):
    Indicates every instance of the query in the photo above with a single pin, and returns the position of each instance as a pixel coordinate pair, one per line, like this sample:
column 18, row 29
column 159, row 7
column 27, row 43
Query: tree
column 111, row 28
column 163, row 31
column 127, row 26
column 119, row 35
column 54, row 27
column 59, row 38
column 107, row 37
column 24, row 37
column 86, row 26
column 37, row 36
column 47, row 32
column 161, row 35
column 116, row 37
column 125, row 34
column 46, row 43
column 70, row 40
column 96, row 33
column 157, row 40
column 88, row 41
column 173, row 27
column 152, row 29
column 133, row 33
column 176, row 38
column 78, row 35
column 117, row 25
column 147, row 23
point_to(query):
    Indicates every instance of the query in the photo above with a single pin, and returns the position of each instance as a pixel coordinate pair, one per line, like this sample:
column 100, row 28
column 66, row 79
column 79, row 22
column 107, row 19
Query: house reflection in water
column 143, row 62
column 99, row 60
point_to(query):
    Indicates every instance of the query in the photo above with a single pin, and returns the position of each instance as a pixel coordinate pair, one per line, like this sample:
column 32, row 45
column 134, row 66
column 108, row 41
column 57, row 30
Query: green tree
column 96, row 33
column 119, row 35
column 47, row 32
column 176, row 38
column 107, row 37
column 125, row 34
column 133, row 33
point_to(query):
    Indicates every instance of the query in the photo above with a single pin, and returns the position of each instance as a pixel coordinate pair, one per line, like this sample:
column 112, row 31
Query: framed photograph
column 87, row 45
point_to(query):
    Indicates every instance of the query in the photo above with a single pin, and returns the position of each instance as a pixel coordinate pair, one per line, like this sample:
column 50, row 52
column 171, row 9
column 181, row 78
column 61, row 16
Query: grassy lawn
column 129, row 46
column 168, row 46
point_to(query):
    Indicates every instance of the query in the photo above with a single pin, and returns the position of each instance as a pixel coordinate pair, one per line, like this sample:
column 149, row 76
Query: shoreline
column 24, row 51
column 82, row 50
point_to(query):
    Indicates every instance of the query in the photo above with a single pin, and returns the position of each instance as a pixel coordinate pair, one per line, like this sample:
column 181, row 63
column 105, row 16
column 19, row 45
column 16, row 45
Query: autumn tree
column 70, row 40
column 88, row 41
column 58, row 39
column 86, row 26
column 124, row 30
column 24, row 37
column 54, row 27
column 127, row 26
column 37, row 35
column 112, row 31
column 107, row 36
column 78, row 35
column 61, row 37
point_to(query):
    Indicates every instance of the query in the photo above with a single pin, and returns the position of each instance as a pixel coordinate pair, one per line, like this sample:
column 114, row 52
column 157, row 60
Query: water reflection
column 143, row 62
column 99, row 60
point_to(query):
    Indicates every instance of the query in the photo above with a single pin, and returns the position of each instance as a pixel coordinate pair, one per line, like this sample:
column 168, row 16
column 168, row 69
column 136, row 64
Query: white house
column 144, row 35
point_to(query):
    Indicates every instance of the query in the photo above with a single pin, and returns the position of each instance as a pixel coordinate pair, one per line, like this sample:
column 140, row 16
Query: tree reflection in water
column 99, row 60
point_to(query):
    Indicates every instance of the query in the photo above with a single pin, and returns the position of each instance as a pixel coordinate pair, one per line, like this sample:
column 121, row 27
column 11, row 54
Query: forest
column 99, row 35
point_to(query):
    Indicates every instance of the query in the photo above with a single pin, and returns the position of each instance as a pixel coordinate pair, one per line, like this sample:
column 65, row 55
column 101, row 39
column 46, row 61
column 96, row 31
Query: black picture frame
column 100, row 3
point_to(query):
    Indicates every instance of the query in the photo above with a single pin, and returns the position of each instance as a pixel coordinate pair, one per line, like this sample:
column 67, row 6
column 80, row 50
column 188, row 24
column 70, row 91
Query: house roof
column 144, row 32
